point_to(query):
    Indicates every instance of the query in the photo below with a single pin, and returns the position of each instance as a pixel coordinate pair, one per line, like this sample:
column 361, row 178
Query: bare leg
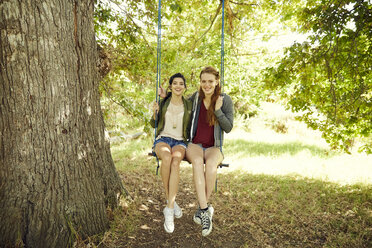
column 178, row 152
column 163, row 151
column 195, row 155
column 213, row 158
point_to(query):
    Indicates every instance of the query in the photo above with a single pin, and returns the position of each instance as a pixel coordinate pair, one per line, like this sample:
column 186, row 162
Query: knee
column 176, row 159
column 197, row 162
column 211, row 168
column 175, row 164
column 166, row 159
column 177, row 156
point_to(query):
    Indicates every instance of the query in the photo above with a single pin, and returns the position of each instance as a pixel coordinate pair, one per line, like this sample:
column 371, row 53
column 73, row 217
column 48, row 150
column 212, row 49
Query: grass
column 281, row 190
column 252, row 210
column 287, row 211
column 129, row 156
column 243, row 148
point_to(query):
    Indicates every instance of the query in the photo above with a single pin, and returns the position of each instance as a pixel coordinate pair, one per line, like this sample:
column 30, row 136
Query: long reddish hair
column 211, row 117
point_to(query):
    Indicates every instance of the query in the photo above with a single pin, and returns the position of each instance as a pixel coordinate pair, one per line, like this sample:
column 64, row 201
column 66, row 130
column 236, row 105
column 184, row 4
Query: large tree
column 56, row 171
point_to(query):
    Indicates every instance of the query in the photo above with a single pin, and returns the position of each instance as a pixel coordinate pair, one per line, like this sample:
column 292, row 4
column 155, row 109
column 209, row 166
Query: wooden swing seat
column 153, row 154
column 221, row 165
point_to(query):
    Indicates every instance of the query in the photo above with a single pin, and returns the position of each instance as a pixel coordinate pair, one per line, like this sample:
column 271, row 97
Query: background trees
column 328, row 78
column 191, row 39
column 325, row 78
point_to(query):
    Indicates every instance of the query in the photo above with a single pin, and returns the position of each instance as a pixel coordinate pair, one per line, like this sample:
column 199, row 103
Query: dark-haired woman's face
column 178, row 86
column 208, row 83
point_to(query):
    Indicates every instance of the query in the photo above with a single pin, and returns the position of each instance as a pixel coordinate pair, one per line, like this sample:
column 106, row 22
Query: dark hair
column 211, row 117
column 177, row 75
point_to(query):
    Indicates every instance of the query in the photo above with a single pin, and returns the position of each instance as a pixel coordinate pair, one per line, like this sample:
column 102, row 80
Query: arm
column 225, row 114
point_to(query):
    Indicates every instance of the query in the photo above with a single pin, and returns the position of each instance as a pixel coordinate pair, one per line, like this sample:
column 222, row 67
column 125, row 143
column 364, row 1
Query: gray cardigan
column 225, row 117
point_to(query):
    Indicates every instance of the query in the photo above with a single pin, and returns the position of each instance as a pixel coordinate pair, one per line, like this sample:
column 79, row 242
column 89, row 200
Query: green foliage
column 132, row 100
column 328, row 78
column 191, row 39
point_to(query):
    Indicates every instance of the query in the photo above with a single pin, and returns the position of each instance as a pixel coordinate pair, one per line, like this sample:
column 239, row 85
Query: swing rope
column 222, row 45
column 222, row 77
column 158, row 73
column 222, row 59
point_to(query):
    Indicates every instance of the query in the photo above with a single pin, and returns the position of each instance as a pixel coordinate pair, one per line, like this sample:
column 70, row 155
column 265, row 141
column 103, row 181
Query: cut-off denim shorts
column 205, row 148
column 201, row 146
column 170, row 141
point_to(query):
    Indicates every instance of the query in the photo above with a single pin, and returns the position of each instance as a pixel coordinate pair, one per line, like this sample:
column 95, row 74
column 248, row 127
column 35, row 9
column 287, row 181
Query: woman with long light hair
column 212, row 115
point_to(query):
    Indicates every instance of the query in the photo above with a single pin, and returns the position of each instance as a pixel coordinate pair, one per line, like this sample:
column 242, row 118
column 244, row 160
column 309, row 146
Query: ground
column 250, row 211
column 281, row 190
column 187, row 233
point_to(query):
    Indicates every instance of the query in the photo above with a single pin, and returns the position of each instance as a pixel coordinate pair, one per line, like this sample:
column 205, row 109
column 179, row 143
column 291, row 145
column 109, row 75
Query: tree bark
column 57, row 175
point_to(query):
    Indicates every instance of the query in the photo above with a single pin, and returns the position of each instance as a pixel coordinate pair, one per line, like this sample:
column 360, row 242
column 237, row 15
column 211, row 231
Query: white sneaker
column 211, row 211
column 168, row 219
column 177, row 211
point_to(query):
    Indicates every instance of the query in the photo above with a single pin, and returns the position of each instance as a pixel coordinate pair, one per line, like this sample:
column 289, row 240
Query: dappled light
column 242, row 148
column 305, row 156
column 254, row 210
column 282, row 93
column 287, row 188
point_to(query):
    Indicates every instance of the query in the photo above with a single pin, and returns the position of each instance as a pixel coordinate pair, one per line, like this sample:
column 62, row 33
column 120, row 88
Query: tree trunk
column 56, row 171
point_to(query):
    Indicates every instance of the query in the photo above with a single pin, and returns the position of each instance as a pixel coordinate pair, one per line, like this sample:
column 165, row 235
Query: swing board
column 153, row 154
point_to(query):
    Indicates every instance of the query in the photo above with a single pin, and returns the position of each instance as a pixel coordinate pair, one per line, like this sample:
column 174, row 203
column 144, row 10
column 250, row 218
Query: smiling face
column 208, row 83
column 178, row 86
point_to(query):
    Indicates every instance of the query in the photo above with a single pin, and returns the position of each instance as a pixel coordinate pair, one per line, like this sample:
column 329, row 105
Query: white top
column 173, row 122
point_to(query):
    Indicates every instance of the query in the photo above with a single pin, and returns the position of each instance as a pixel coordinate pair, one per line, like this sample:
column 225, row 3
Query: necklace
column 174, row 118
column 175, row 110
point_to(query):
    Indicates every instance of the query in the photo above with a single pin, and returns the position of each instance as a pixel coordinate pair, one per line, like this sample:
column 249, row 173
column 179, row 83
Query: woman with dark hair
column 212, row 115
column 173, row 117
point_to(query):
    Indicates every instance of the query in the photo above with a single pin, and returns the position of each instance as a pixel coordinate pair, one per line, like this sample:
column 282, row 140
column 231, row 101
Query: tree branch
column 210, row 26
column 247, row 4
column 130, row 17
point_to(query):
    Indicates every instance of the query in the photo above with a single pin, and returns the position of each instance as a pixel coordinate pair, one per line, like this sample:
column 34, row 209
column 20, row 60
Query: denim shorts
column 170, row 141
column 201, row 146
column 205, row 148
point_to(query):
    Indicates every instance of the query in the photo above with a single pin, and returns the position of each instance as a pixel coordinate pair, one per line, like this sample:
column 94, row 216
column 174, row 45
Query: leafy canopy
column 191, row 39
column 328, row 78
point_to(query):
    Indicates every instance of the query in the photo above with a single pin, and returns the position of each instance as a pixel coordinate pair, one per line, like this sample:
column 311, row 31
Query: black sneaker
column 206, row 222
column 197, row 216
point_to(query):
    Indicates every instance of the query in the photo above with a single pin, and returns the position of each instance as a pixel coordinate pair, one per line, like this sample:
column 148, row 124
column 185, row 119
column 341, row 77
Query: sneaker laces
column 205, row 220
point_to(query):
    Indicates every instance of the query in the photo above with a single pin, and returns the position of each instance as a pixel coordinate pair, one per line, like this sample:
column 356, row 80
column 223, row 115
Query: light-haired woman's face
column 178, row 86
column 208, row 83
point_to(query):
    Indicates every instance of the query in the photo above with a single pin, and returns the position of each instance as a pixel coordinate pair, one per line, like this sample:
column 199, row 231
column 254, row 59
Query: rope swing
column 158, row 73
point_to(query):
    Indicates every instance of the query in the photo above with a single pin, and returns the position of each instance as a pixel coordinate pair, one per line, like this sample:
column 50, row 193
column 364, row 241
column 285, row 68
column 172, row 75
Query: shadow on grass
column 241, row 148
